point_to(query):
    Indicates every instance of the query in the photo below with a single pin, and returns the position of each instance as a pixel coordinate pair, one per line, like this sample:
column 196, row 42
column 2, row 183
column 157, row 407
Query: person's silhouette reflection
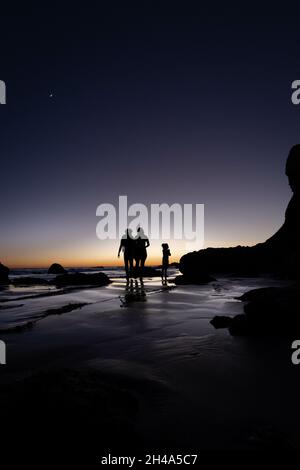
column 141, row 245
column 134, row 292
column 127, row 245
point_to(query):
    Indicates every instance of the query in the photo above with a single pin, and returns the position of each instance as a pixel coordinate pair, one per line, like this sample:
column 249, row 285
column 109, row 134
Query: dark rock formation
column 221, row 322
column 4, row 272
column 30, row 281
column 197, row 279
column 81, row 279
column 242, row 260
column 280, row 254
column 174, row 264
column 241, row 326
column 271, row 311
column 171, row 265
column 148, row 271
column 56, row 268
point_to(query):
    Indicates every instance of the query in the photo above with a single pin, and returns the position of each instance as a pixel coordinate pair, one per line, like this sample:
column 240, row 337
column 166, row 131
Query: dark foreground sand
column 142, row 368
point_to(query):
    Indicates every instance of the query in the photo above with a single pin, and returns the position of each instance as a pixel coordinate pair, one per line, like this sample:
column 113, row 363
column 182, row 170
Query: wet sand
column 196, row 387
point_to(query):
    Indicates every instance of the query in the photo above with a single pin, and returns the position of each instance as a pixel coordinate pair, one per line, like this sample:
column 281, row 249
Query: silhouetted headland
column 279, row 255
column 269, row 311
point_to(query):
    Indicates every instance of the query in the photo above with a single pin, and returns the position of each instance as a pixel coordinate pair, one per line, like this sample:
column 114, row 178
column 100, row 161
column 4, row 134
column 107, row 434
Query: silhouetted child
column 165, row 260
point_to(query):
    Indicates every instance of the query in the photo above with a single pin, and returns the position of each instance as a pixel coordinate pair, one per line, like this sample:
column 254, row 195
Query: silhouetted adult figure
column 127, row 245
column 141, row 245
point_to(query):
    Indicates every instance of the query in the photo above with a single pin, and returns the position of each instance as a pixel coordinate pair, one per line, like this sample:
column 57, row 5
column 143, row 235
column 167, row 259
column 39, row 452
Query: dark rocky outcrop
column 4, row 272
column 81, row 279
column 221, row 322
column 241, row 326
column 148, row 271
column 271, row 311
column 29, row 281
column 278, row 255
column 198, row 279
column 175, row 264
column 242, row 260
column 56, row 268
column 171, row 265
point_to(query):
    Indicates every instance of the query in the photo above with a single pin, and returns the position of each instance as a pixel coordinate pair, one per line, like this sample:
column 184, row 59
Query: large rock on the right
column 4, row 272
column 270, row 311
column 279, row 255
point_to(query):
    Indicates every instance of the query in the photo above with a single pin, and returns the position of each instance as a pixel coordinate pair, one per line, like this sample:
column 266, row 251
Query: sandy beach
column 150, row 227
column 198, row 388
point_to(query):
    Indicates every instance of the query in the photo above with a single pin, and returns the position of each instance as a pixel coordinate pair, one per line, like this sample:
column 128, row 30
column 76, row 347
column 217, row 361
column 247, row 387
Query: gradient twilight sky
column 163, row 104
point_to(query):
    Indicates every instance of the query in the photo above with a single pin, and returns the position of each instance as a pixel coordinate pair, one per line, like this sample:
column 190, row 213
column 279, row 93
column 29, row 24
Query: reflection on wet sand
column 134, row 292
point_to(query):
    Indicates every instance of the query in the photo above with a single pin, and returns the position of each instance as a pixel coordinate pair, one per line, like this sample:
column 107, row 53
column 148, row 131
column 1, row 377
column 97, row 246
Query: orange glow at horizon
column 88, row 257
